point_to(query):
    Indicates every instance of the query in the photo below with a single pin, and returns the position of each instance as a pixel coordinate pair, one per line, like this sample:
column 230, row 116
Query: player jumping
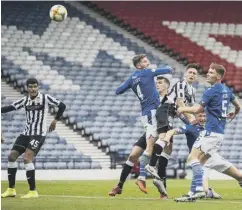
column 181, row 93
column 143, row 85
column 162, row 85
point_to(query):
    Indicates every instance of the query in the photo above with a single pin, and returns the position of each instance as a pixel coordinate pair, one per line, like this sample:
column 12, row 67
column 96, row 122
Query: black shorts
column 164, row 116
column 141, row 142
column 33, row 143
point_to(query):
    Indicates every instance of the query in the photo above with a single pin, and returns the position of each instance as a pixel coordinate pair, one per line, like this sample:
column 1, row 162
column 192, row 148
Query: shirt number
column 34, row 144
column 140, row 95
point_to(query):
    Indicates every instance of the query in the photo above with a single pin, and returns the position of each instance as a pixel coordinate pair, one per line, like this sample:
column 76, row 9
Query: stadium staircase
column 62, row 130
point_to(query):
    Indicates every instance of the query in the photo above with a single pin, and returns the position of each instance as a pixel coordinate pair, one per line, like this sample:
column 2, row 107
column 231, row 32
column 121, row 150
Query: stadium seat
column 88, row 73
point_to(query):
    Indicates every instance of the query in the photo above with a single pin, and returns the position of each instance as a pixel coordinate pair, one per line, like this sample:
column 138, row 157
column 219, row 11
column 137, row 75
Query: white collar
column 38, row 96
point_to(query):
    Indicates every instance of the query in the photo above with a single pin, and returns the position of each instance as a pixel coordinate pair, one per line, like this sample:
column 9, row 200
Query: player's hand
column 2, row 140
column 52, row 125
column 193, row 122
column 173, row 70
column 231, row 115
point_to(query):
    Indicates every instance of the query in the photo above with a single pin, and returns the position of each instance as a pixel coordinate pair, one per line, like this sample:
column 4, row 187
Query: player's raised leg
column 163, row 162
column 221, row 165
column 235, row 173
column 144, row 160
column 133, row 157
column 157, row 150
column 149, row 122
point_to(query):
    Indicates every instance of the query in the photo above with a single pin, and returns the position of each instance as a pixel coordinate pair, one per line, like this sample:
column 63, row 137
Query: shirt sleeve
column 232, row 97
column 124, row 87
column 207, row 96
column 19, row 103
column 181, row 130
column 160, row 71
column 184, row 119
column 52, row 101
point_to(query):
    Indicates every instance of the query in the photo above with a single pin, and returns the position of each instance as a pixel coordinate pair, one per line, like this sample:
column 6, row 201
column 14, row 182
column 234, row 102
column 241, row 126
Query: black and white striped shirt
column 181, row 90
column 36, row 111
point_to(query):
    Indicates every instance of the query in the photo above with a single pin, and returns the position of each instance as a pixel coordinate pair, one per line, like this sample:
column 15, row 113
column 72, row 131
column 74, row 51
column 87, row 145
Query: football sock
column 125, row 172
column 30, row 173
column 193, row 186
column 197, row 172
column 144, row 160
column 12, row 170
column 163, row 162
column 157, row 150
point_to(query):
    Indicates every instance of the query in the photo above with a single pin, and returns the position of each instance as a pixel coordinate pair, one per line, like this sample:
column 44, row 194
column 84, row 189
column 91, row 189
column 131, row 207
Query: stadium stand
column 82, row 61
column 62, row 155
column 204, row 32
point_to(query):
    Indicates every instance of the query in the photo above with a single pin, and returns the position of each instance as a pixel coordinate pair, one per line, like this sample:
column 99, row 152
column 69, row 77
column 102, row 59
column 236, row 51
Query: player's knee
column 11, row 158
column 168, row 149
column 13, row 155
column 240, row 175
column 149, row 150
column 28, row 157
column 189, row 158
column 149, row 146
column 132, row 158
column 203, row 158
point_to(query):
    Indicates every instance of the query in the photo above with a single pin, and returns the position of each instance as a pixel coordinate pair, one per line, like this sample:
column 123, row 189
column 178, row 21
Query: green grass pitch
column 72, row 195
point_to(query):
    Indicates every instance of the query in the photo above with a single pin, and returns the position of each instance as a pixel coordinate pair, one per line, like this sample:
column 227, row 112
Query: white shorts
column 150, row 124
column 209, row 142
column 217, row 162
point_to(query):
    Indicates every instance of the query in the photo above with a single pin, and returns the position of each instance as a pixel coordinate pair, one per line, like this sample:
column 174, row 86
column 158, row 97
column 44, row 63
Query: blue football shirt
column 216, row 101
column 143, row 85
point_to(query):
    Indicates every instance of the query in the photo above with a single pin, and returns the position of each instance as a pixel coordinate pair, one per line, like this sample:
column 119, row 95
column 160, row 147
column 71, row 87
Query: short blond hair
column 218, row 68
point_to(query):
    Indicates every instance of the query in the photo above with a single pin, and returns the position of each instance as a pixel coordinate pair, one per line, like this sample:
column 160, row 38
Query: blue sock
column 144, row 160
column 197, row 172
column 193, row 185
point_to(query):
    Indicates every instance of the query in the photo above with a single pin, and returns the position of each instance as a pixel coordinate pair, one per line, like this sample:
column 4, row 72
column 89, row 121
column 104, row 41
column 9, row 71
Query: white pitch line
column 136, row 198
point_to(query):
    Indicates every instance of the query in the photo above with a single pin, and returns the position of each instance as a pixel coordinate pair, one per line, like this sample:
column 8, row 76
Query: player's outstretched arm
column 6, row 109
column 184, row 116
column 175, row 131
column 124, row 87
column 14, row 106
column 192, row 110
column 160, row 71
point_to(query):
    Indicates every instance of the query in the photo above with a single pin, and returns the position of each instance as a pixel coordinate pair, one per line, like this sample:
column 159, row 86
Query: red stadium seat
column 147, row 17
